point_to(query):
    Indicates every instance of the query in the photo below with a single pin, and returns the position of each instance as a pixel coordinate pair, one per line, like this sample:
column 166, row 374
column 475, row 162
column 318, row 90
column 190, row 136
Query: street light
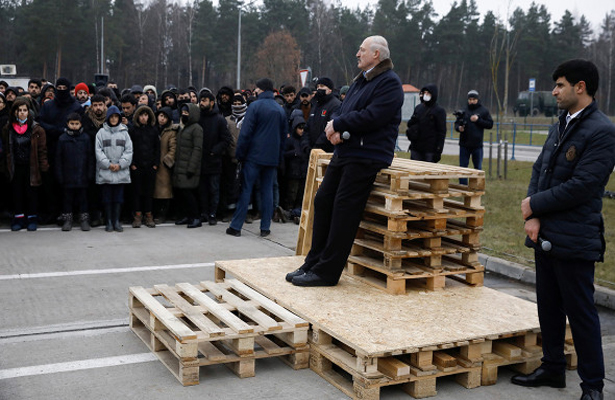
column 241, row 4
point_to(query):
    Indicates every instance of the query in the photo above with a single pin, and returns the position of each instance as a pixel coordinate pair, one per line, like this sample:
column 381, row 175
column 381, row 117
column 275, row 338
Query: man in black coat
column 364, row 134
column 427, row 127
column 472, row 128
column 325, row 107
column 564, row 225
column 216, row 140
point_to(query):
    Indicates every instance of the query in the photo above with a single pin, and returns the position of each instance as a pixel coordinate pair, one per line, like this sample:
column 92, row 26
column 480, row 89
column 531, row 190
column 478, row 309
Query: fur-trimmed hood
column 140, row 110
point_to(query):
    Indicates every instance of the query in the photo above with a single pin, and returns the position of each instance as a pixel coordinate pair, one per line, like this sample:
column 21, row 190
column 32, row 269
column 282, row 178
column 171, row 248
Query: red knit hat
column 82, row 86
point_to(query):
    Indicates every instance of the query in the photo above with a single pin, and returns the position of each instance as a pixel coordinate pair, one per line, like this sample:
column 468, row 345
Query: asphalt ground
column 64, row 319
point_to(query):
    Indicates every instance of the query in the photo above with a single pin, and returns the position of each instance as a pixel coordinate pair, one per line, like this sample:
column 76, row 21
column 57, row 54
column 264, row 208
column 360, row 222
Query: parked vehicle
column 534, row 103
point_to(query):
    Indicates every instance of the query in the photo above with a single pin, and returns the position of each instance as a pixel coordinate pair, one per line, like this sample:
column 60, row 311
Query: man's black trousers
column 565, row 287
column 338, row 210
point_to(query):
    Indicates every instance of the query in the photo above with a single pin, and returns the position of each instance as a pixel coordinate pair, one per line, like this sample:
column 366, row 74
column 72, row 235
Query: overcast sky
column 594, row 10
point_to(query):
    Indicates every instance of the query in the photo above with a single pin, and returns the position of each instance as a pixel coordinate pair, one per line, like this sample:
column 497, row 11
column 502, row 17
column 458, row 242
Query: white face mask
column 426, row 97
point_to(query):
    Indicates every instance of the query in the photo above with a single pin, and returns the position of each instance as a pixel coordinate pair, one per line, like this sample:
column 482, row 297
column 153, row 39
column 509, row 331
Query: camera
column 461, row 118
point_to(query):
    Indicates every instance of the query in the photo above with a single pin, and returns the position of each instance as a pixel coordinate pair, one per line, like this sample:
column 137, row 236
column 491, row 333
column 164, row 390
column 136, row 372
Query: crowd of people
column 94, row 155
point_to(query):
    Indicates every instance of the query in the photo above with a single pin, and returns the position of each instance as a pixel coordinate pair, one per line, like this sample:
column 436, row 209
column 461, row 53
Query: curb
column 603, row 296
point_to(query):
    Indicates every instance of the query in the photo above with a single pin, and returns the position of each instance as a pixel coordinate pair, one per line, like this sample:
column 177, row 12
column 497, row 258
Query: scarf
column 20, row 129
column 97, row 121
column 238, row 112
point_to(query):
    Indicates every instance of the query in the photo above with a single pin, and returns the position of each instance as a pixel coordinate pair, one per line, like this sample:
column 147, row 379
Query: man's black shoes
column 310, row 279
column 233, row 232
column 291, row 275
column 592, row 394
column 540, row 377
column 265, row 232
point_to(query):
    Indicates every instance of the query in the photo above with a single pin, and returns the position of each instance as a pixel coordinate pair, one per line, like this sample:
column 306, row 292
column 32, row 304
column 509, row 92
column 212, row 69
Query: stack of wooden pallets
column 419, row 226
column 191, row 326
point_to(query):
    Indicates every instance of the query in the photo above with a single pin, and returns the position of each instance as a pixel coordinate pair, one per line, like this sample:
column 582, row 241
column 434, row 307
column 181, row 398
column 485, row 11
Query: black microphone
column 346, row 135
column 544, row 244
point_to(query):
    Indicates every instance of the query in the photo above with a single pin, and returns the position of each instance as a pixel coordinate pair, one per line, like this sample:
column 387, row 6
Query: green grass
column 503, row 235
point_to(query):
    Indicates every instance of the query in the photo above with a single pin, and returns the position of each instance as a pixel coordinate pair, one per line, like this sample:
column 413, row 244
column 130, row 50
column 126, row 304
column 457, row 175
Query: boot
column 108, row 217
column 136, row 223
column 19, row 222
column 68, row 222
column 117, row 209
column 149, row 220
column 32, row 223
column 84, row 220
column 96, row 219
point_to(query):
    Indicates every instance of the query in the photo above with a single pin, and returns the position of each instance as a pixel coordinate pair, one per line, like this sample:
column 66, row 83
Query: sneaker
column 212, row 219
column 84, row 223
column 32, row 223
column 196, row 223
column 18, row 223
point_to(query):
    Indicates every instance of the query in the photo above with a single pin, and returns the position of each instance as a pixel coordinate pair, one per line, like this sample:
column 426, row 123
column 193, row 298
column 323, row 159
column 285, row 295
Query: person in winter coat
column 326, row 106
column 169, row 99
column 163, row 189
column 229, row 182
column 427, row 127
column 145, row 162
column 563, row 207
column 52, row 118
column 364, row 134
column 26, row 157
column 472, row 128
column 92, row 121
column 113, row 160
column 224, row 98
column 74, row 169
column 259, row 148
column 187, row 170
column 216, row 139
column 295, row 167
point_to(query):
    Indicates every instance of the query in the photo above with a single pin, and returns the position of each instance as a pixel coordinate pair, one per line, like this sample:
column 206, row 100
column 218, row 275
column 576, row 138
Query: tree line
column 194, row 43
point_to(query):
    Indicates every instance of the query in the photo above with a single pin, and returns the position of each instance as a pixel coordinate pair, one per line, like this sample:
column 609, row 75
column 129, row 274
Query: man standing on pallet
column 364, row 133
column 564, row 225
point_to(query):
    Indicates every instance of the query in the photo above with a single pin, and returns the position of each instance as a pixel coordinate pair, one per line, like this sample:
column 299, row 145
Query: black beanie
column 265, row 84
column 63, row 81
column 326, row 81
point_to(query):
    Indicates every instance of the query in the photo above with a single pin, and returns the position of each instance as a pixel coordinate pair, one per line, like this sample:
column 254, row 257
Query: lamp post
column 241, row 4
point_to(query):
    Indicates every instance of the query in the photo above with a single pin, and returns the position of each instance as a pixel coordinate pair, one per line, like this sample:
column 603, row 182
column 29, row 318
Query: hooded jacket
column 216, row 140
column 567, row 185
column 371, row 113
column 168, row 145
column 427, row 127
column 175, row 116
column 262, row 135
column 113, row 146
column 225, row 108
column 187, row 169
column 145, row 140
column 295, row 160
column 38, row 150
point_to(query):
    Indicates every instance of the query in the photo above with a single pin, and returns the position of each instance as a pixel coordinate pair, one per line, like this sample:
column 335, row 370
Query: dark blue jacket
column 75, row 162
column 263, row 132
column 472, row 136
column 371, row 113
column 567, row 185
column 52, row 118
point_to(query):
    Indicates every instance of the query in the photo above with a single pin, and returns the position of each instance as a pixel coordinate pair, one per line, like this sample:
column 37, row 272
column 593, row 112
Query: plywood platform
column 380, row 324
column 364, row 339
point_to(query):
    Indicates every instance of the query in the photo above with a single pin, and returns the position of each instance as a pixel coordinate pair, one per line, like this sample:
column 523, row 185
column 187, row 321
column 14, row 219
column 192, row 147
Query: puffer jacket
column 216, row 141
column 567, row 185
column 145, row 140
column 371, row 113
column 314, row 136
column 113, row 146
column 188, row 153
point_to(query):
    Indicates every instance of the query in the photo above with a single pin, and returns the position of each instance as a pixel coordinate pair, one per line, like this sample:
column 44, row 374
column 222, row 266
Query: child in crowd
column 145, row 161
column 295, row 169
column 113, row 159
column 73, row 169
column 163, row 189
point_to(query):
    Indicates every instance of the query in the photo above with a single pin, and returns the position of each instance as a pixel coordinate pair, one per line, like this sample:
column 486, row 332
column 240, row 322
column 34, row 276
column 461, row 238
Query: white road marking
column 103, row 271
column 45, row 369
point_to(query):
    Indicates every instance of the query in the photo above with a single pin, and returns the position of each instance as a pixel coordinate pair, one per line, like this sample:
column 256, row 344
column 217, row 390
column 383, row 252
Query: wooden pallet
column 360, row 376
column 416, row 273
column 190, row 326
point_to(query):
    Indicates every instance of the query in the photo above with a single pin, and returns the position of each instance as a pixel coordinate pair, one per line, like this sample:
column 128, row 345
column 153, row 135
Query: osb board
column 377, row 323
